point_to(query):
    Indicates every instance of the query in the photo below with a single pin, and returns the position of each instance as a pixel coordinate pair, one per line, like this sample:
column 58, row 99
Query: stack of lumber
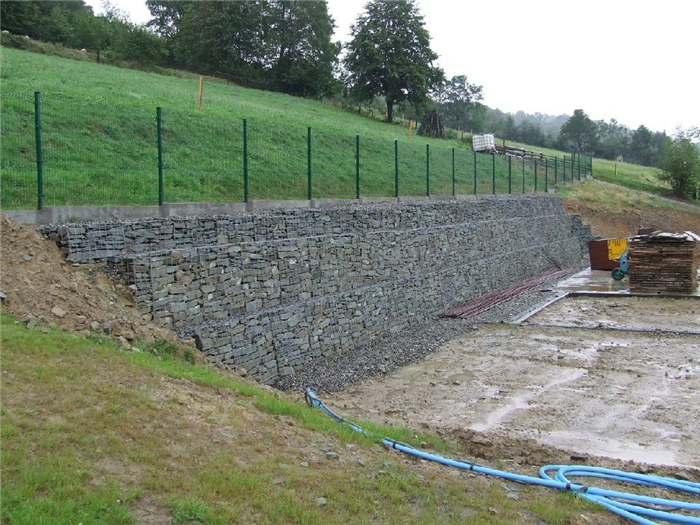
column 664, row 263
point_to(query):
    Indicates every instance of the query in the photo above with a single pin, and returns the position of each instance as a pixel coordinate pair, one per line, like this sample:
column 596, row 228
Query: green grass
column 94, row 434
column 631, row 176
column 99, row 142
column 625, row 174
column 598, row 194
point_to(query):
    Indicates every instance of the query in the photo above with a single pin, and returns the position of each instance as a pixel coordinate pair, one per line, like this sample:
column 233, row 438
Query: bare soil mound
column 623, row 221
column 41, row 288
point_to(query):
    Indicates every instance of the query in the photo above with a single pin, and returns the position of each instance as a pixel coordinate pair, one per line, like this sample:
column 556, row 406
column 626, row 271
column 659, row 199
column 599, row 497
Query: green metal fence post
column 396, row 168
column 309, row 190
column 535, row 176
column 579, row 167
column 546, row 174
column 493, row 174
column 159, row 129
column 523, row 174
column 357, row 166
column 590, row 166
column 564, row 166
column 245, row 160
column 427, row 170
column 510, row 175
column 573, row 163
column 39, row 153
column 555, row 171
column 453, row 172
column 475, row 173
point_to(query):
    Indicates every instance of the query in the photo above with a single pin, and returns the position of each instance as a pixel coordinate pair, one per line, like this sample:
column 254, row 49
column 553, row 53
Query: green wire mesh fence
column 59, row 152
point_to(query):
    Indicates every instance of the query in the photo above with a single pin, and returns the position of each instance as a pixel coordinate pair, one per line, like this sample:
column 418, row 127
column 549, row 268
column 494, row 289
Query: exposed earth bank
column 624, row 221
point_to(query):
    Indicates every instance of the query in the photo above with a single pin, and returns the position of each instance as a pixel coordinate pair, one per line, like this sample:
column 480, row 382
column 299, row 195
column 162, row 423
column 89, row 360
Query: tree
column 613, row 139
column 390, row 55
column 641, row 145
column 304, row 55
column 580, row 131
column 458, row 101
column 283, row 42
column 167, row 16
column 680, row 164
column 139, row 45
column 228, row 37
column 21, row 18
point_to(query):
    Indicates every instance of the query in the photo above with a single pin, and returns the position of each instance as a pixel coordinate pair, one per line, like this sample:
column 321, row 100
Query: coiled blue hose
column 628, row 505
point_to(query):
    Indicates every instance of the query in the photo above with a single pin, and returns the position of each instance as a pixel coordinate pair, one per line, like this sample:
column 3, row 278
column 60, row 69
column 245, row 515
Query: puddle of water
column 521, row 401
column 412, row 371
column 592, row 444
column 594, row 281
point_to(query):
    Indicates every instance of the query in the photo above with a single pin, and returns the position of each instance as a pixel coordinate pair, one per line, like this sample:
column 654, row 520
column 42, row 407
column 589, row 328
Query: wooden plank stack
column 663, row 262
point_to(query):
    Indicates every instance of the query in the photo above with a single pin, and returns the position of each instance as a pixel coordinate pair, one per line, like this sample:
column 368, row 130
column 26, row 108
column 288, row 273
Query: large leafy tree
column 390, row 56
column 287, row 42
column 459, row 102
column 580, row 131
column 302, row 52
column 680, row 164
column 614, row 139
column 228, row 37
column 642, row 145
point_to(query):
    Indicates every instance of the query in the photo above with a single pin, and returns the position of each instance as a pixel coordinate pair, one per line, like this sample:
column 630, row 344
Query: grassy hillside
column 99, row 139
column 93, row 434
column 99, row 143
column 632, row 176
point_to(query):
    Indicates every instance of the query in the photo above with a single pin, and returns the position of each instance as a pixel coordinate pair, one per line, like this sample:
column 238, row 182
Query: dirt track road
column 600, row 392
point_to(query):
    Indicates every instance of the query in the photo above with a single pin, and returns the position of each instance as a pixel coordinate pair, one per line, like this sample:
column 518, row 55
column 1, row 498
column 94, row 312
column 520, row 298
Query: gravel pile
column 408, row 346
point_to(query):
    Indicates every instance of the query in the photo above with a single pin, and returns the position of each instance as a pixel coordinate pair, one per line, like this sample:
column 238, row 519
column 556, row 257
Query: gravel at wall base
column 410, row 345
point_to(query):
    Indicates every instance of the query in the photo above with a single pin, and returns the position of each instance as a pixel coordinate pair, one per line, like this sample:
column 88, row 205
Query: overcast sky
column 636, row 61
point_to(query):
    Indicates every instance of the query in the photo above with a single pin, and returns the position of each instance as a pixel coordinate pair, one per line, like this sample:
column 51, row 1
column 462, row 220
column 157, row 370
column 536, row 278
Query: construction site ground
column 614, row 377
column 598, row 380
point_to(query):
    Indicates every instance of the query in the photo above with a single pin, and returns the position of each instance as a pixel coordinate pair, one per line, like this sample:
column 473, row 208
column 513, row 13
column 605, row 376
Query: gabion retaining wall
column 270, row 291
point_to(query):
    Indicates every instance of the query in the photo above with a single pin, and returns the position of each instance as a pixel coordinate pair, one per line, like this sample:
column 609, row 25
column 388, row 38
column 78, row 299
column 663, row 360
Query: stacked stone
column 100, row 241
column 270, row 291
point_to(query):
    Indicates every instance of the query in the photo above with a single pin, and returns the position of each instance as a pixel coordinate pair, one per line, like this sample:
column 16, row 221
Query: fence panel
column 412, row 172
column 18, row 153
column 202, row 157
column 334, row 165
column 377, row 167
column 501, row 163
column 98, row 154
column 277, row 161
column 95, row 154
column 440, row 170
column 464, row 171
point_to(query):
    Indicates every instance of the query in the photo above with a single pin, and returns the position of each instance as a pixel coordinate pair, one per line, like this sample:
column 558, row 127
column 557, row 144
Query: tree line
column 73, row 24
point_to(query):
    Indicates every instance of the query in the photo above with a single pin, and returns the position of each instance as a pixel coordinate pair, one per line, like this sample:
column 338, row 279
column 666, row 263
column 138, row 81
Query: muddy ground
column 597, row 391
column 623, row 313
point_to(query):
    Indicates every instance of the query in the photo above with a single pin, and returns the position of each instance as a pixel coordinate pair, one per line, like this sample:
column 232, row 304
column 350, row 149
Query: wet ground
column 600, row 384
column 598, row 282
column 623, row 313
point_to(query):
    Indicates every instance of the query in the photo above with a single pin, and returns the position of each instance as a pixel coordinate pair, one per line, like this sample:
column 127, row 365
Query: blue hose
column 631, row 506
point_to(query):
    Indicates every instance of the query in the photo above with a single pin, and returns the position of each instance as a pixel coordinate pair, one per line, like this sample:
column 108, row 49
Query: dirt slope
column 624, row 221
column 41, row 288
